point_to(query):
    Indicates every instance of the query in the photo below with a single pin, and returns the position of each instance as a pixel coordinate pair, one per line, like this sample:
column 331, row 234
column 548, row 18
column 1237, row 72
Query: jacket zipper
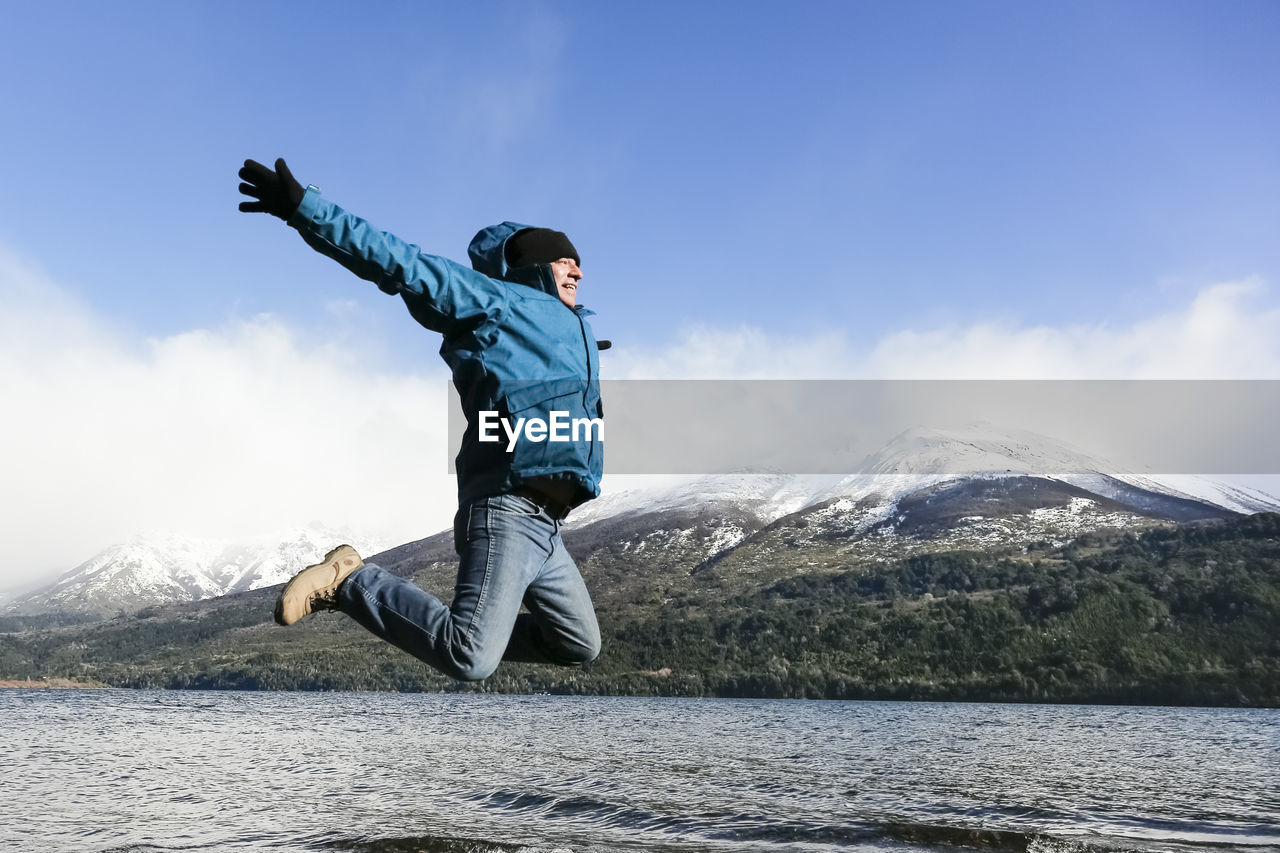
column 586, row 347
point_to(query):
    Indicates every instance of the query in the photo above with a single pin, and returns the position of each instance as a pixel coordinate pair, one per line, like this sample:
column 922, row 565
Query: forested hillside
column 1183, row 615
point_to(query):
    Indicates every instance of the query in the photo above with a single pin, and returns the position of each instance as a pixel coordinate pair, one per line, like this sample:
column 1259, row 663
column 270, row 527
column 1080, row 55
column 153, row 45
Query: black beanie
column 538, row 246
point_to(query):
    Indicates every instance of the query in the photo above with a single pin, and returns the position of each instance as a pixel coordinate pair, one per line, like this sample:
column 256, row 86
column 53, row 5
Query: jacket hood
column 488, row 253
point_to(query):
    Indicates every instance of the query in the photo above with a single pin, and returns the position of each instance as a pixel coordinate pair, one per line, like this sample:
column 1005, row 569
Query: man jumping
column 519, row 346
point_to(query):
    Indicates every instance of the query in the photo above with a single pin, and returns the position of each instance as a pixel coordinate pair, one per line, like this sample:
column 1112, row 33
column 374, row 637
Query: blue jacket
column 512, row 345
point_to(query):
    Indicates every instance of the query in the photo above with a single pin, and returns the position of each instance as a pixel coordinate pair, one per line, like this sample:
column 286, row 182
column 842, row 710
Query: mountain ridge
column 162, row 568
column 925, row 489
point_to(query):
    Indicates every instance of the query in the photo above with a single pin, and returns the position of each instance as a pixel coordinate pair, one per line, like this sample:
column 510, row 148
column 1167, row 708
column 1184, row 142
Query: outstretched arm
column 442, row 295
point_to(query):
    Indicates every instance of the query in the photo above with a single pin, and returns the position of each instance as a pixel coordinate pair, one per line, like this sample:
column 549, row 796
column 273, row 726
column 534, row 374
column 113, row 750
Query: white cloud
column 256, row 425
column 1229, row 331
column 224, row 432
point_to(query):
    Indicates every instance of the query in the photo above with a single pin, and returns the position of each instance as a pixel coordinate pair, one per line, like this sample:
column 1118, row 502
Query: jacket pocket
column 530, row 394
column 538, row 401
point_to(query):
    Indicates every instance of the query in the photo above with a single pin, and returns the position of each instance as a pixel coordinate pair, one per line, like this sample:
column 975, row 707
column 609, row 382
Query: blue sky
column 795, row 167
column 867, row 184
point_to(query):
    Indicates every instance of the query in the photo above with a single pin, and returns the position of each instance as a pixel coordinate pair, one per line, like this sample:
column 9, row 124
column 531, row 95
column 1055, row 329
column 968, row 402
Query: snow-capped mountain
column 165, row 568
column 985, row 451
column 921, row 458
column 927, row 489
column 977, row 489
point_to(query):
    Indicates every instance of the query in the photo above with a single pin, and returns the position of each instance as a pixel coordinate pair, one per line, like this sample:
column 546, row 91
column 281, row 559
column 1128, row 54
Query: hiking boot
column 316, row 587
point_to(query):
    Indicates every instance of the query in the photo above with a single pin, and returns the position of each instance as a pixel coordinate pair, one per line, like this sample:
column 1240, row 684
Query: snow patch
column 160, row 568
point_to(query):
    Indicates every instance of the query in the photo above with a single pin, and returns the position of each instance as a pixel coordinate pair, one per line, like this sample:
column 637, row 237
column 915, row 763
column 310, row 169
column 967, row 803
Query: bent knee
column 467, row 665
column 471, row 671
column 577, row 653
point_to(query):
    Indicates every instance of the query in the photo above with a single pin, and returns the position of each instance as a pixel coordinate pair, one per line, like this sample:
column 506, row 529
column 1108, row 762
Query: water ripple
column 146, row 772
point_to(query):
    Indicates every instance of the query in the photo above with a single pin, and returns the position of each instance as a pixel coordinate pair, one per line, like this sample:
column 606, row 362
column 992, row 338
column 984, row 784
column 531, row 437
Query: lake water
column 141, row 771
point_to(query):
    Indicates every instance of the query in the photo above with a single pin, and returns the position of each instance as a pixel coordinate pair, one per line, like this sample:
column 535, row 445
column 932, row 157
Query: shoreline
column 48, row 684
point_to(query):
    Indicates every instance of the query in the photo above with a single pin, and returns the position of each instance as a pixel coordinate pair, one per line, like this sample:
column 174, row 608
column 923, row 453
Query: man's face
column 567, row 276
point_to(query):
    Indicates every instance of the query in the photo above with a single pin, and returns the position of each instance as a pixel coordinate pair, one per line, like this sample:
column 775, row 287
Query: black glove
column 277, row 193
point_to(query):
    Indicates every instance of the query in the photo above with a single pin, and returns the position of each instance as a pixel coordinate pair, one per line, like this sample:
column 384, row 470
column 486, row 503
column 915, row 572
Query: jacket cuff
column 308, row 209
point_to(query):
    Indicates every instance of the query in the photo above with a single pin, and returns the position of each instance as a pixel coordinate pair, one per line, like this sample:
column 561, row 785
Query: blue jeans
column 511, row 554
